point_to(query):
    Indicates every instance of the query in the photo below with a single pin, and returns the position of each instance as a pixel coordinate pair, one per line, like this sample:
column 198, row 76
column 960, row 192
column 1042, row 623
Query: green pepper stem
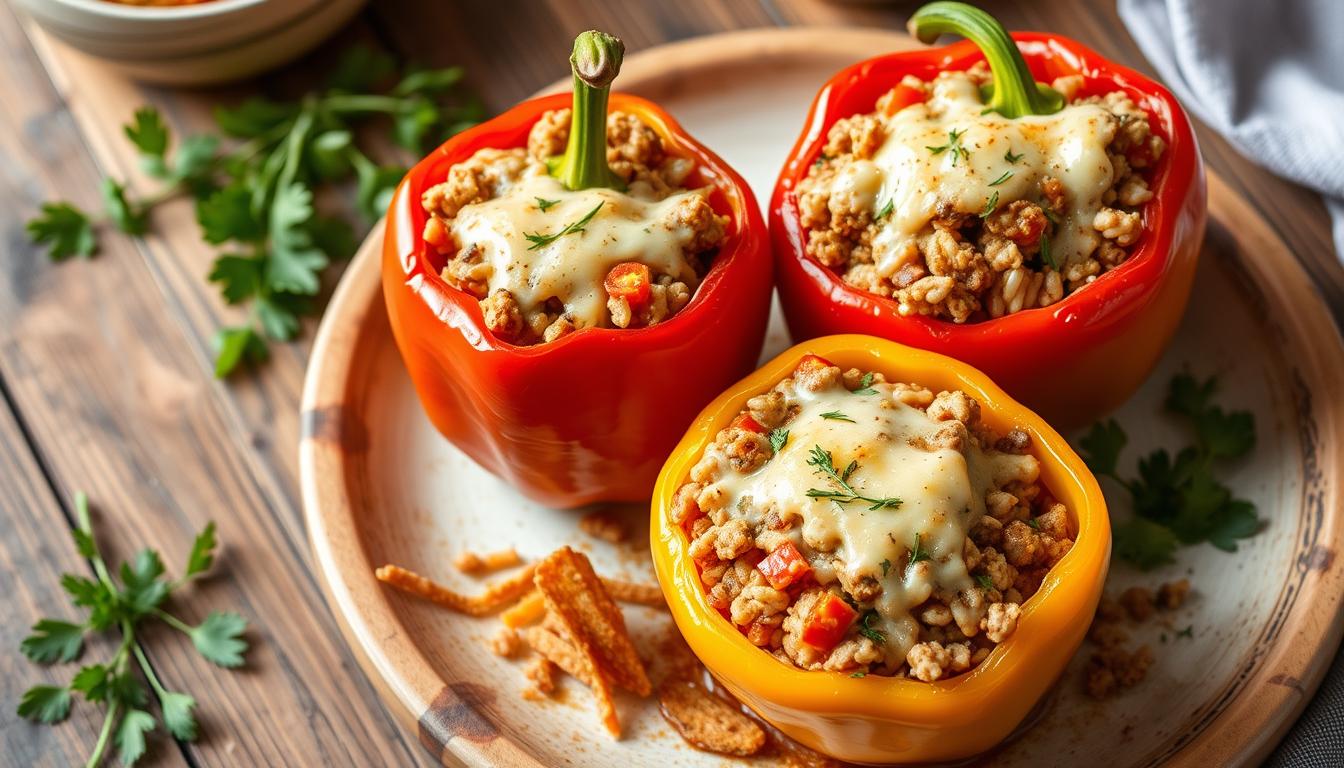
column 596, row 61
column 1015, row 93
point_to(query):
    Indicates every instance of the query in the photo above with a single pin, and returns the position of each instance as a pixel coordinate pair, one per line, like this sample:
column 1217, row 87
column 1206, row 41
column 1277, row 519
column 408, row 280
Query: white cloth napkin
column 1266, row 74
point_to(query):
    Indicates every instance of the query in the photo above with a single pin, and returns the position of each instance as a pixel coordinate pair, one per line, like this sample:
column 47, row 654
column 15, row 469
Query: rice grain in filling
column 900, row 503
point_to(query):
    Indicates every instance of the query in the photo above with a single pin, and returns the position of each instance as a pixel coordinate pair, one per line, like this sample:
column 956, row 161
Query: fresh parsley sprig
column 539, row 240
column 865, row 385
column 255, row 198
column 821, row 459
column 1178, row 501
column 121, row 604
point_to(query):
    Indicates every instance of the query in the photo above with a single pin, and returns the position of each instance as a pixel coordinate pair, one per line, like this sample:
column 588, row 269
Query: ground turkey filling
column 497, row 216
column 850, row 524
column 964, row 215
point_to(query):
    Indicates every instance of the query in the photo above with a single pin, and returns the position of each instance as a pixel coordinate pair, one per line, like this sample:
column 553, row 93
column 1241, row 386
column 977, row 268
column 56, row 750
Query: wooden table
column 105, row 365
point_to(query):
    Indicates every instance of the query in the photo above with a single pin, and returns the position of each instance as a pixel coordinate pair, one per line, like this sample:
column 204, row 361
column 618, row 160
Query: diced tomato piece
column 630, row 281
column 784, row 566
column 811, row 363
column 903, row 97
column 744, row 421
column 827, row 623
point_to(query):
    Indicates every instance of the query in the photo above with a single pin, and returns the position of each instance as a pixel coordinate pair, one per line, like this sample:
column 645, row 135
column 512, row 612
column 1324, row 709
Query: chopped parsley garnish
column 858, row 674
column 918, row 553
column 984, row 581
column 844, row 493
column 836, row 416
column 1047, row 258
column 1010, row 157
column 1034, row 523
column 1188, row 632
column 865, row 385
column 1006, row 176
column 1178, row 501
column 886, row 567
column 778, row 438
column 953, row 145
column 545, row 205
column 886, row 210
column 539, row 240
column 990, row 204
column 867, row 630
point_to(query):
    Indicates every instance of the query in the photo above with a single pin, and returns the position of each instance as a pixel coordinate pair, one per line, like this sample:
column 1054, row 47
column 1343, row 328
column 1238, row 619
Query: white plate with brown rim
column 380, row 485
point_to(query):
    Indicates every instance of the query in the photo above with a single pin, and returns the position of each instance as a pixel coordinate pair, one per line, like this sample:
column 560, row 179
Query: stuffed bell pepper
column 570, row 282
column 952, row 200
column 878, row 551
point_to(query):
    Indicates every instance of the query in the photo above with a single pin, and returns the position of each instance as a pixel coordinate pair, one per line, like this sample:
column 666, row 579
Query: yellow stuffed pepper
column 878, row 551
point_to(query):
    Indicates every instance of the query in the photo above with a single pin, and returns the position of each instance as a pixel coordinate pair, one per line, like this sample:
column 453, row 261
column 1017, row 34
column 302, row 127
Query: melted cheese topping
column 571, row 268
column 942, row 492
column 1069, row 145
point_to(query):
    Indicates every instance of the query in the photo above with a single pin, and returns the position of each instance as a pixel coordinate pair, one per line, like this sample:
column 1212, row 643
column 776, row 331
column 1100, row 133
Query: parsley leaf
column 779, row 437
column 865, row 385
column 227, row 215
column 545, row 205
column 177, row 714
column 53, row 640
column 202, row 552
column 45, row 704
column 119, row 211
column 1006, row 176
column 236, row 345
column 239, row 277
column 94, row 681
column 917, row 553
column 1010, row 157
column 130, row 738
column 985, row 582
column 953, row 146
column 867, row 629
column 990, row 205
column 1102, row 446
column 836, row 416
column 858, row 674
column 539, row 240
column 886, row 209
column 219, row 639
column 1047, row 258
column 65, row 230
column 1145, row 543
column 150, row 137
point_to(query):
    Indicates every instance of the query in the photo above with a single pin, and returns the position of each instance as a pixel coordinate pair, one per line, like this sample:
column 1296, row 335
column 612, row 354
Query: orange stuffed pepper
column 879, row 551
column 943, row 198
column 568, row 286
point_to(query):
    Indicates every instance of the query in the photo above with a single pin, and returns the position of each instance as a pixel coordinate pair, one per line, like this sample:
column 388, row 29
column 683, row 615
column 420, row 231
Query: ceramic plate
column 380, row 485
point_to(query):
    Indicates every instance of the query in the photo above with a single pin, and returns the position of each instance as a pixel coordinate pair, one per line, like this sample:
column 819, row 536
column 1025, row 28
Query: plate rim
column 447, row 721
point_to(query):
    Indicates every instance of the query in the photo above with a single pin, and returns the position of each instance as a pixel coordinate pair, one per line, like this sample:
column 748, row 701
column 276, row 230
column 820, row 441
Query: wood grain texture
column 107, row 363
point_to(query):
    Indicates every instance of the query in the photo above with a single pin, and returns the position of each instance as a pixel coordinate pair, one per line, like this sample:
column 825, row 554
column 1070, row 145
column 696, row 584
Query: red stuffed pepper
column 1045, row 234
column 569, row 287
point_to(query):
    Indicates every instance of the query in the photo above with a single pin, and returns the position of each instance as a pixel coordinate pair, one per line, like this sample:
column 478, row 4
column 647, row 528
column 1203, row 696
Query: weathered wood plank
column 117, row 396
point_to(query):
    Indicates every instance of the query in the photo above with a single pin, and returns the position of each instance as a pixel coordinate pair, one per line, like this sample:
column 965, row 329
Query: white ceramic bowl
column 210, row 42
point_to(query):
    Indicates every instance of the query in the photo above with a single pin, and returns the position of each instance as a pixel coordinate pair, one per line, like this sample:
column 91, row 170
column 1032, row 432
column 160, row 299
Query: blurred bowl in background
column 208, row 42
